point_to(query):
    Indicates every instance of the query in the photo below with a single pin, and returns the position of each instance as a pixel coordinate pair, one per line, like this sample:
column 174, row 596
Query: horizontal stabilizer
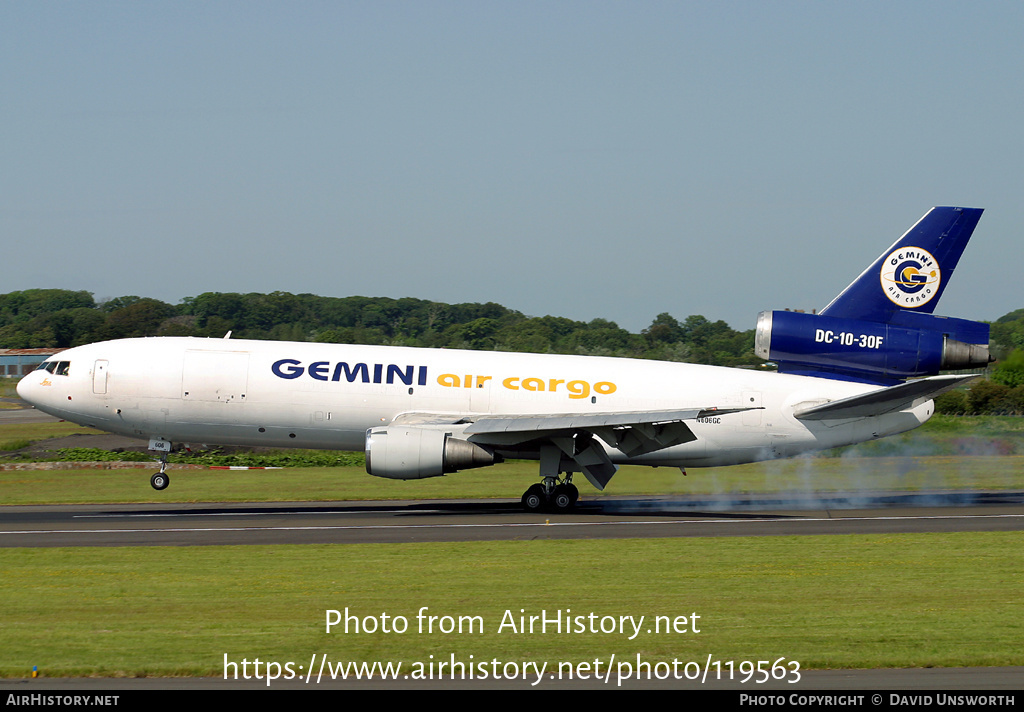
column 884, row 400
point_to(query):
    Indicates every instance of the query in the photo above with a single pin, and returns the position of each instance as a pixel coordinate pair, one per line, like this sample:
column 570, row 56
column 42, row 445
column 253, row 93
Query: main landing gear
column 553, row 494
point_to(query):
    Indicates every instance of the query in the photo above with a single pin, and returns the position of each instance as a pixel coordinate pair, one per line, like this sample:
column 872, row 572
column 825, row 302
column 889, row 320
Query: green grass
column 981, row 425
column 948, row 435
column 942, row 435
column 508, row 481
column 827, row 602
column 939, row 463
column 8, row 387
column 33, row 432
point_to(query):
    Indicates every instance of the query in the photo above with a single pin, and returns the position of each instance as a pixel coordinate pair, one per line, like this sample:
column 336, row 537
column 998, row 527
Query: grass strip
column 32, row 432
column 509, row 480
column 855, row 601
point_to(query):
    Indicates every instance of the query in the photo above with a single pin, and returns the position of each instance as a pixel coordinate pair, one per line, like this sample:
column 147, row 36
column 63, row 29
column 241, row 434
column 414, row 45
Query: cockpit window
column 57, row 368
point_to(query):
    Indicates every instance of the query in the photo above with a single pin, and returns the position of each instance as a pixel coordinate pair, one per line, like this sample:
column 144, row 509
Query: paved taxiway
column 25, row 415
column 489, row 520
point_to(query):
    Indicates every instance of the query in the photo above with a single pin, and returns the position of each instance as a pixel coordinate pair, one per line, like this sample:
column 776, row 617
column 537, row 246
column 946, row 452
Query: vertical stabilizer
column 881, row 329
column 912, row 274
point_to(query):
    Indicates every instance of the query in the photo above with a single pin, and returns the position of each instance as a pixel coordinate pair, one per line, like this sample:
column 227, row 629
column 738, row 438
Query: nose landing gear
column 161, row 479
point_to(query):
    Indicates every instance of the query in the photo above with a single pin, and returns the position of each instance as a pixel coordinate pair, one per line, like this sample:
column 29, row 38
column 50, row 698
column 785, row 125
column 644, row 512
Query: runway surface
column 491, row 520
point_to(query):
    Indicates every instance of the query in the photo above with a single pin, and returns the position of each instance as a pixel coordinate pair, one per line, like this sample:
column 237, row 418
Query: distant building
column 21, row 362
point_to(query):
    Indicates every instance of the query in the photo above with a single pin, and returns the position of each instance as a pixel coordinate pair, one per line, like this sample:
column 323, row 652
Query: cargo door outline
column 99, row 377
column 215, row 376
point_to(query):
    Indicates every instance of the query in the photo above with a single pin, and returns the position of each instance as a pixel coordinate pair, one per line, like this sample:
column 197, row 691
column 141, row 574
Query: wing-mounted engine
column 400, row 452
column 910, row 345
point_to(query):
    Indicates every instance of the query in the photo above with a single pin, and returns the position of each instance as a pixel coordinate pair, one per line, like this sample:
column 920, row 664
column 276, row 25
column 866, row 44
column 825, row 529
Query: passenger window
column 62, row 368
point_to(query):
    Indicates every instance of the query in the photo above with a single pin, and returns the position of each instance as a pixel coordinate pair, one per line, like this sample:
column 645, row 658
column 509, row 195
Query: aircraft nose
column 39, row 390
column 32, row 389
column 25, row 389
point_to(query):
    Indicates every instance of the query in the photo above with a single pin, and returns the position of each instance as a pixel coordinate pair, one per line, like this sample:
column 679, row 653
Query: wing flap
column 634, row 433
column 532, row 423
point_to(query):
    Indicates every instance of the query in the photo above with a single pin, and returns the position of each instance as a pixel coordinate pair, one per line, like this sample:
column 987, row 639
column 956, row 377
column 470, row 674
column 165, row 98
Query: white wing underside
column 562, row 437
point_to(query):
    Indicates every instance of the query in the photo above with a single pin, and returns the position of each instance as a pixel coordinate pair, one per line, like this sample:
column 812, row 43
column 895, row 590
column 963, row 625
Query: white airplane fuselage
column 326, row 396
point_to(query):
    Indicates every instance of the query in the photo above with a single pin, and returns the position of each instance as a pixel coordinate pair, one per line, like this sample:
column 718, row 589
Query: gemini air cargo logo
column 910, row 277
column 292, row 368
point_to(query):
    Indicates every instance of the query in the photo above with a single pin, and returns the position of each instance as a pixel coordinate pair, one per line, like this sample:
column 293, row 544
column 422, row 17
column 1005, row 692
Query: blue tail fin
column 912, row 274
column 881, row 328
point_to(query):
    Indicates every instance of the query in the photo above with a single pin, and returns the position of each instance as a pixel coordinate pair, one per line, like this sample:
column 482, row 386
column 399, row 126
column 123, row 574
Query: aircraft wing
column 635, row 433
column 884, row 400
column 571, row 435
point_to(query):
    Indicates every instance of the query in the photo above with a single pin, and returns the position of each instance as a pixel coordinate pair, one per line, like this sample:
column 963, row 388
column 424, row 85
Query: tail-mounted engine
column 910, row 344
column 410, row 453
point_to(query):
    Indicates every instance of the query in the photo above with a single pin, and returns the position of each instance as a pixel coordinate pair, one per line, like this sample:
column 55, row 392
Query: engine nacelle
column 401, row 452
column 910, row 345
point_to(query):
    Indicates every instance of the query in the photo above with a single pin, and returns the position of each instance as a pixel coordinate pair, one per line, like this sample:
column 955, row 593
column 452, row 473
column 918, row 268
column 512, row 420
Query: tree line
column 1002, row 393
column 63, row 318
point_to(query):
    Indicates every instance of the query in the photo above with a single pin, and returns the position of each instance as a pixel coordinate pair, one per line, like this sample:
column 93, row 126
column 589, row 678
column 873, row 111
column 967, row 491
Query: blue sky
column 581, row 159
